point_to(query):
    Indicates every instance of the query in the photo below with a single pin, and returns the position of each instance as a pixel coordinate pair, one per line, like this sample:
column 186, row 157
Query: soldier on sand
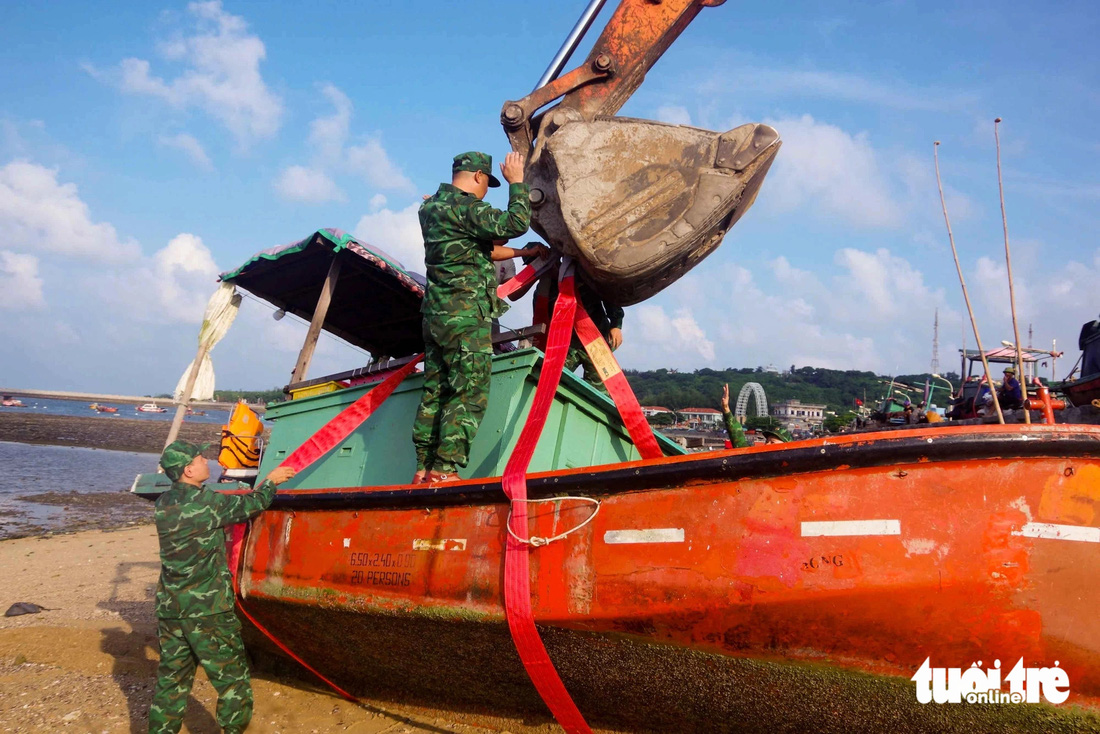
column 459, row 231
column 196, row 624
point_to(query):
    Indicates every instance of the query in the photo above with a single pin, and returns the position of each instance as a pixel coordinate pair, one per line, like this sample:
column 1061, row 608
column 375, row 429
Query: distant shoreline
column 114, row 434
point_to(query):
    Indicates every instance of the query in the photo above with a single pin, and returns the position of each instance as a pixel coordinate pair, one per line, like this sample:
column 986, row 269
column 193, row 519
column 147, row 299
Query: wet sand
column 88, row 663
column 98, row 510
column 115, row 434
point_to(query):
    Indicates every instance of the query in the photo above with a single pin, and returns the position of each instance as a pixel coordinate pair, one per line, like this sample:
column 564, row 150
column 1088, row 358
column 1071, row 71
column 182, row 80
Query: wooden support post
column 319, row 313
column 185, row 397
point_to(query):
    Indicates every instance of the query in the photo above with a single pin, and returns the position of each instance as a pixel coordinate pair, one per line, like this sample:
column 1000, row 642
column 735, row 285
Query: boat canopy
column 1005, row 354
column 375, row 303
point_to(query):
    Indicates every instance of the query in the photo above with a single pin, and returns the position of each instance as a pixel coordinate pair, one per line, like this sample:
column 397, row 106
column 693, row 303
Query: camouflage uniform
column 736, row 432
column 196, row 623
column 606, row 316
column 459, row 304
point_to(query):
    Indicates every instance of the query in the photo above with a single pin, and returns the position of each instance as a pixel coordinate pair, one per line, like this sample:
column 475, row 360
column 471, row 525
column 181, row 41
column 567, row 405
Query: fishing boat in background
column 102, row 408
column 9, row 402
column 150, row 408
column 1084, row 390
column 794, row 586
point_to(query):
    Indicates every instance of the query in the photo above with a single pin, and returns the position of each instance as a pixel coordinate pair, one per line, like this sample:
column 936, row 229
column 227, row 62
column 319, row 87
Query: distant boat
column 9, row 402
column 151, row 408
column 103, row 408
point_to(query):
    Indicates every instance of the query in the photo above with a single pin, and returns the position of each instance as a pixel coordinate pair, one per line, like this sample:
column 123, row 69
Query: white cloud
column 396, row 232
column 172, row 286
column 328, row 137
column 674, row 114
column 221, row 74
column 298, row 183
column 880, row 287
column 655, row 337
column 20, row 286
column 185, row 272
column 1056, row 301
column 371, row 161
column 189, row 145
column 869, row 310
column 328, row 134
column 835, row 172
column 378, row 201
column 39, row 214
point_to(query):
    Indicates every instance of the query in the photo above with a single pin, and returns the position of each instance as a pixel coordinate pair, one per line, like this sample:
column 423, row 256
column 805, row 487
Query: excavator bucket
column 640, row 203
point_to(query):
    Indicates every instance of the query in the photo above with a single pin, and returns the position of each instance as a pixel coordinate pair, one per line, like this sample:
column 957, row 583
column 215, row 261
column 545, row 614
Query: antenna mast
column 936, row 344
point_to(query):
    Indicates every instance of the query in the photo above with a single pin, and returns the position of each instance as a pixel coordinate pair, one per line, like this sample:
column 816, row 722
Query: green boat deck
column 583, row 429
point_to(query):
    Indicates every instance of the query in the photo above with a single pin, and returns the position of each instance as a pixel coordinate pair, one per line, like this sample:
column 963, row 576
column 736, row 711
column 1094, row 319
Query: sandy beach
column 87, row 664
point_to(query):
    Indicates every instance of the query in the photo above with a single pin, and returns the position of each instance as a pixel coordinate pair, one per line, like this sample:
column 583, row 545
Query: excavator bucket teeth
column 640, row 203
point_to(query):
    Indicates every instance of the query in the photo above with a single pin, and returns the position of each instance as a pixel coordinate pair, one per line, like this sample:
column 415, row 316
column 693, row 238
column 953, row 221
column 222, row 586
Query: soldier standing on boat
column 196, row 624
column 606, row 316
column 459, row 231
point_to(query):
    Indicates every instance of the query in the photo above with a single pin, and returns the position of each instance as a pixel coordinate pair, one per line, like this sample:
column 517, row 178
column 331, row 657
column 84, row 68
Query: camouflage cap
column 177, row 455
column 475, row 161
column 780, row 433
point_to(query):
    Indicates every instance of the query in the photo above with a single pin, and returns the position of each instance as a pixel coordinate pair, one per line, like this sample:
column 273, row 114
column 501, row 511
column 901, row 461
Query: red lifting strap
column 319, row 444
column 350, row 418
column 618, row 387
column 530, row 273
column 517, row 571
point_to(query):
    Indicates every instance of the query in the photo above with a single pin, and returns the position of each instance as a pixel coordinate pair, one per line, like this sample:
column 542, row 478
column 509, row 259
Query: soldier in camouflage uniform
column 194, row 602
column 733, row 426
column 461, row 232
column 607, row 317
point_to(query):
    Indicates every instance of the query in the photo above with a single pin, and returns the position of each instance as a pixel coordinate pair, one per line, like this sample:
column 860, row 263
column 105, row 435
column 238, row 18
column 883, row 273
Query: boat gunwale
column 850, row 451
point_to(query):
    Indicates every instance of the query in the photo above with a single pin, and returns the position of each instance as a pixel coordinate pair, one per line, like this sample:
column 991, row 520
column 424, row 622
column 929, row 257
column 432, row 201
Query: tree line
column 836, row 389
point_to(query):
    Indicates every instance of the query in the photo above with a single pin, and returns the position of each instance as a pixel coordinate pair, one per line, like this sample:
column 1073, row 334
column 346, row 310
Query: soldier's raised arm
column 488, row 223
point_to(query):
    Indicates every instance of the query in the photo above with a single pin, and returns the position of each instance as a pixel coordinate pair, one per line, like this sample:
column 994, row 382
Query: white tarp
column 221, row 309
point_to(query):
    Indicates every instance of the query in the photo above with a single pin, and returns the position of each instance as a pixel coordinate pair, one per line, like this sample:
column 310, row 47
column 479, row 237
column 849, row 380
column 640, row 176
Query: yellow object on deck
column 319, row 389
column 240, row 446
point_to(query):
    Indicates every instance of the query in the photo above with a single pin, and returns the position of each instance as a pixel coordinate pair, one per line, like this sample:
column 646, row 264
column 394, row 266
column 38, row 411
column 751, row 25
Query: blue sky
column 146, row 147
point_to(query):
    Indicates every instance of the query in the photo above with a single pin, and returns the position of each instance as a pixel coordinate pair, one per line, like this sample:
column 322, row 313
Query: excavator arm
column 637, row 202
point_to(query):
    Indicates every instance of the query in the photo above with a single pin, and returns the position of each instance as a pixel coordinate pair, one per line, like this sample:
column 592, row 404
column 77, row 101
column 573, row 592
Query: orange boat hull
column 782, row 587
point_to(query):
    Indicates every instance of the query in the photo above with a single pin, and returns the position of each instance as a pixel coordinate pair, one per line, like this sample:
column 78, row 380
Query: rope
column 536, row 541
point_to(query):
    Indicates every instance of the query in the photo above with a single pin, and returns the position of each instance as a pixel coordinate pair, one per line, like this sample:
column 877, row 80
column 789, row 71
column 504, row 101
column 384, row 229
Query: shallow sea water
column 51, row 473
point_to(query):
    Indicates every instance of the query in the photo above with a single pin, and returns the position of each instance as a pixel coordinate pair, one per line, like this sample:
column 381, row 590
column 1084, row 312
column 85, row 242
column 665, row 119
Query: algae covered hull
column 790, row 587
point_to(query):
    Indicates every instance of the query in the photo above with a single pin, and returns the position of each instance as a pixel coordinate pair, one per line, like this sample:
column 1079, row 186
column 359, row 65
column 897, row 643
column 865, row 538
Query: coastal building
column 798, row 416
column 701, row 417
